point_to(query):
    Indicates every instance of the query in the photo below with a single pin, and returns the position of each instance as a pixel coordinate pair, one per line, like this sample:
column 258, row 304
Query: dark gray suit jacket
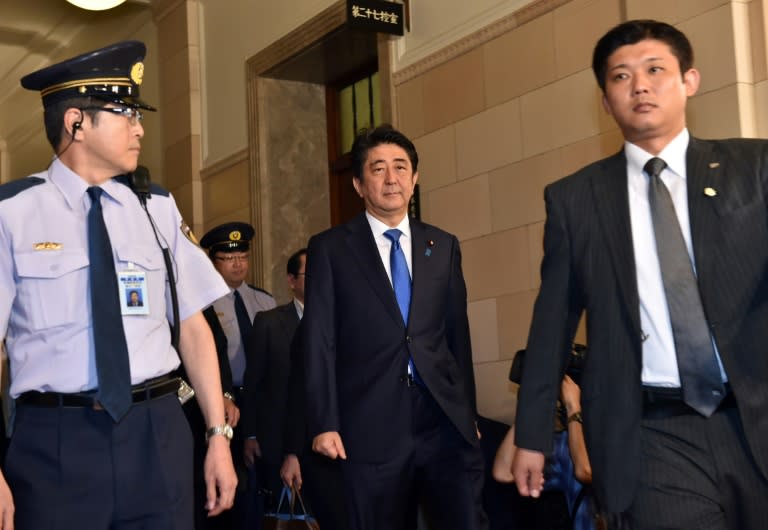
column 589, row 265
column 356, row 344
column 268, row 367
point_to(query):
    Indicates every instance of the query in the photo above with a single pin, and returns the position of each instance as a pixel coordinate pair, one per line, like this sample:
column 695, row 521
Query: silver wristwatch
column 225, row 430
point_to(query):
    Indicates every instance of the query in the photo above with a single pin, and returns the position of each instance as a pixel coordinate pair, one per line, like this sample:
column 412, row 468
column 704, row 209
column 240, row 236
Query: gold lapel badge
column 714, row 165
column 47, row 245
column 710, row 192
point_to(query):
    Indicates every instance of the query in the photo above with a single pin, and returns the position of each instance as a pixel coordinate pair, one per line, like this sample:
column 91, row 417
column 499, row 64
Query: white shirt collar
column 378, row 228
column 673, row 154
column 299, row 308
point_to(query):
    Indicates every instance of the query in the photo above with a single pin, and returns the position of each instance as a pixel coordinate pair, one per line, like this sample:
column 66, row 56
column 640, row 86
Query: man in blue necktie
column 389, row 375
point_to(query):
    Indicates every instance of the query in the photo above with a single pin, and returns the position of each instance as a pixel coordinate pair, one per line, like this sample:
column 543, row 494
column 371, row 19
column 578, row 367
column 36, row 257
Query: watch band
column 224, row 430
column 576, row 416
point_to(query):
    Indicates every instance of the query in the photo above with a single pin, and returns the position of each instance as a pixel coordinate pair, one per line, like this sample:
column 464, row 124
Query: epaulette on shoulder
column 15, row 187
column 259, row 289
column 154, row 189
column 157, row 189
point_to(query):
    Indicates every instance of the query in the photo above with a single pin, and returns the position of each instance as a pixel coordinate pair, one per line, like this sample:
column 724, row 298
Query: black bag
column 290, row 520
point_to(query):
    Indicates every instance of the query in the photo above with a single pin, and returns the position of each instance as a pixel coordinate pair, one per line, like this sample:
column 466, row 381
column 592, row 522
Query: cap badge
column 235, row 235
column 137, row 73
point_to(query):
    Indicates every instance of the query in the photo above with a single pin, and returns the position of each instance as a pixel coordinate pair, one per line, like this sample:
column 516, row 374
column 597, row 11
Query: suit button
column 408, row 339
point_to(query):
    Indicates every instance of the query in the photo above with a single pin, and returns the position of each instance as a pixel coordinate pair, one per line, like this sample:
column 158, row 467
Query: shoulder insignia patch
column 154, row 189
column 187, row 231
column 13, row 188
column 259, row 289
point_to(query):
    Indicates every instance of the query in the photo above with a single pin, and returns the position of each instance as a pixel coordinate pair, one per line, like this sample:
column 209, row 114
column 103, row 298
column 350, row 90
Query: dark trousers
column 435, row 468
column 248, row 508
column 323, row 490
column 74, row 468
column 698, row 473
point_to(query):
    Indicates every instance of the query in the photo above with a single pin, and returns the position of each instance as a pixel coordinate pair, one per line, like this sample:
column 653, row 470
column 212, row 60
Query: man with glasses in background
column 231, row 320
column 99, row 439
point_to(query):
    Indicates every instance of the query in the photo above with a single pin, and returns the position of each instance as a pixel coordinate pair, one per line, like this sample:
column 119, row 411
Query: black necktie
column 401, row 283
column 112, row 365
column 243, row 320
column 702, row 385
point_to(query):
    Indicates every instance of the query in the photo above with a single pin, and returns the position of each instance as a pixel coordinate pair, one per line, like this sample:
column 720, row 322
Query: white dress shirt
column 385, row 245
column 659, row 358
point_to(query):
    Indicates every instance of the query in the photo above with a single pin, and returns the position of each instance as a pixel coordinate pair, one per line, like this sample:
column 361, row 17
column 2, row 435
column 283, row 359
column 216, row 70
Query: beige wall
column 232, row 31
column 516, row 108
column 24, row 148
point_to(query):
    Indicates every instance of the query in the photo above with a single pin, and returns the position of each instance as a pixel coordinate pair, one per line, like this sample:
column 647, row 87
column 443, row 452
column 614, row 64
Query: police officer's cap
column 229, row 237
column 112, row 74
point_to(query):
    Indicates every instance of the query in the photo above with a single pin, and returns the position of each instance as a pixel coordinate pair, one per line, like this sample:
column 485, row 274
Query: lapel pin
column 713, row 165
column 710, row 192
column 428, row 251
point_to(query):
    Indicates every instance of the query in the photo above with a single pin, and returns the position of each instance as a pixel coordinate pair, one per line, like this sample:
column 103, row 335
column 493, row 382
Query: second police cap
column 228, row 237
column 112, row 74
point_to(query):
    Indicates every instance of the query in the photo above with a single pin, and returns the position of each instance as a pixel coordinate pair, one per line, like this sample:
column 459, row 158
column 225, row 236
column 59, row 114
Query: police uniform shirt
column 45, row 311
column 255, row 301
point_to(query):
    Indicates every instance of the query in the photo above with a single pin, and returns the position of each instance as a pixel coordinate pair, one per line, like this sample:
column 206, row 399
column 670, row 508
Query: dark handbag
column 290, row 520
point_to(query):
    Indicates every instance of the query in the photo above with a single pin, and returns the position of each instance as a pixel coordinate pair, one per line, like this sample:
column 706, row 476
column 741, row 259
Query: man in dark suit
column 389, row 375
column 273, row 418
column 664, row 452
column 267, row 368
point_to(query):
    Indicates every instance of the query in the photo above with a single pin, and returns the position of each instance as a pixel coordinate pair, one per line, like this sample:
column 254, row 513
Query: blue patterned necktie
column 702, row 385
column 111, row 352
column 401, row 282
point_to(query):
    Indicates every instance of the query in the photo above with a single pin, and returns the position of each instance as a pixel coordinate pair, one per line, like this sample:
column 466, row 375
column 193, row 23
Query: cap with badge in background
column 112, row 74
column 228, row 237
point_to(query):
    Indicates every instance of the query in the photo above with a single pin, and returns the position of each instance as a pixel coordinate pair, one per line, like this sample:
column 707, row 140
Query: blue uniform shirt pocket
column 52, row 284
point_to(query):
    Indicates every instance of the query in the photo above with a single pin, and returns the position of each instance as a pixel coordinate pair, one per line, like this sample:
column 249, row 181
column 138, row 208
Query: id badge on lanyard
column 134, row 296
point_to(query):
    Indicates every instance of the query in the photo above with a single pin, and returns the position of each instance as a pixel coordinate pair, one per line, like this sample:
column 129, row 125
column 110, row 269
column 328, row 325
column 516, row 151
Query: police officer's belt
column 151, row 389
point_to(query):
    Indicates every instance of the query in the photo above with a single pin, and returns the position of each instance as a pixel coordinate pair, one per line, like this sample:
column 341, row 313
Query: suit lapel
column 288, row 318
column 421, row 254
column 363, row 248
column 611, row 199
column 703, row 172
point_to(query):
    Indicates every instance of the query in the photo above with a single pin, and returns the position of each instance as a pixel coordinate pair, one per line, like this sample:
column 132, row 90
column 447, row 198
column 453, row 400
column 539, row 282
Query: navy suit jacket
column 589, row 265
column 356, row 345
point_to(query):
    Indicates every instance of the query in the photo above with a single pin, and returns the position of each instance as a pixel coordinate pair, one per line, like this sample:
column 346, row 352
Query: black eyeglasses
column 133, row 114
column 231, row 259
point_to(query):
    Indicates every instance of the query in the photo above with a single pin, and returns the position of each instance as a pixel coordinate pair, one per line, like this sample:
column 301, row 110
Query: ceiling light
column 96, row 5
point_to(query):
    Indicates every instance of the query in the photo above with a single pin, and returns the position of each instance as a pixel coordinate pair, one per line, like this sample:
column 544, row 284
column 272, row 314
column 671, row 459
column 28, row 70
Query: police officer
column 228, row 247
column 100, row 440
column 231, row 320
